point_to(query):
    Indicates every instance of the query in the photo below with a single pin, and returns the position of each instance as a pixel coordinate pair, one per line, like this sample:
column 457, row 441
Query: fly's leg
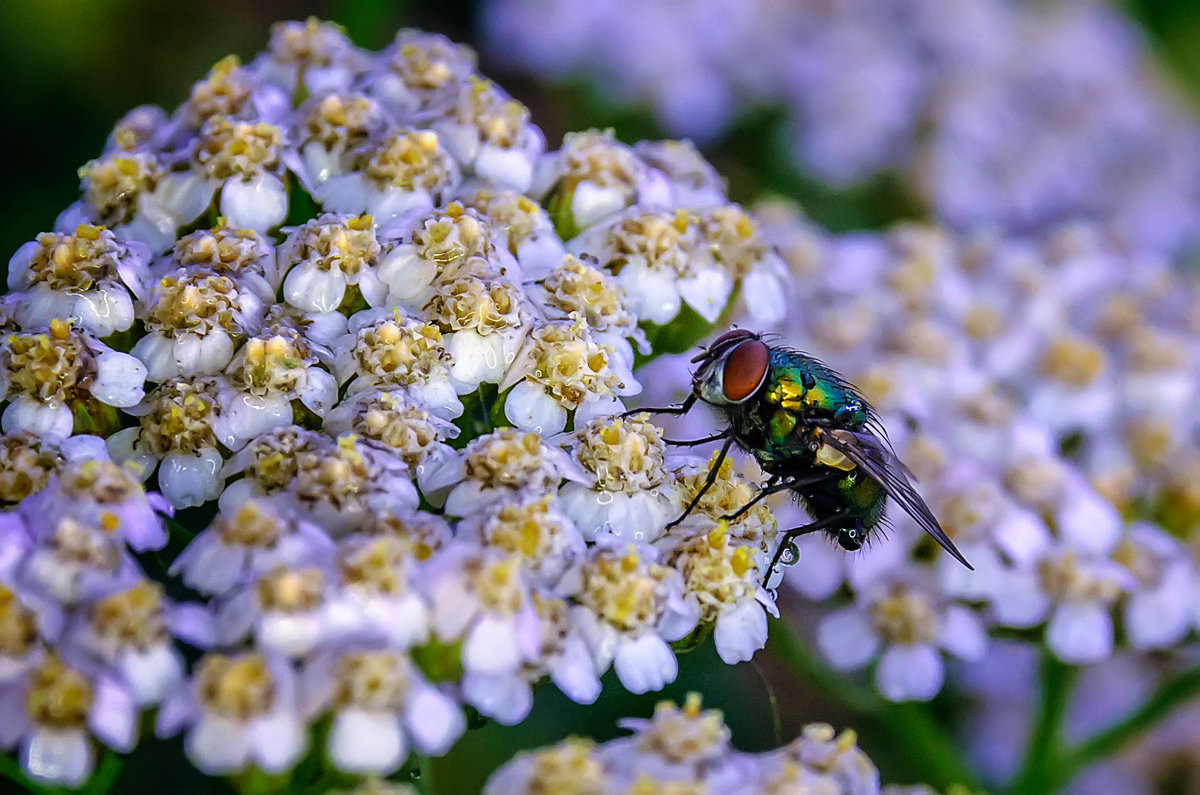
column 774, row 486
column 796, row 532
column 708, row 482
column 693, row 442
column 682, row 408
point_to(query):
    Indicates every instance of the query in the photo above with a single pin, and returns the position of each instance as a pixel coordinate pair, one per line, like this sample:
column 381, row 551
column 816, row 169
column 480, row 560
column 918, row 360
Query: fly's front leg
column 708, row 481
column 681, row 409
column 693, row 442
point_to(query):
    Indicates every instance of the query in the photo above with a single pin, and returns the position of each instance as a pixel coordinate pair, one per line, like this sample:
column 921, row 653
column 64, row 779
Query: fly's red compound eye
column 745, row 370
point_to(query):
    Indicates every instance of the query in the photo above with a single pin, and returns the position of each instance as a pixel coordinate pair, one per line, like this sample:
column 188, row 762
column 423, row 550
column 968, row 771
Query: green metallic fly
column 811, row 432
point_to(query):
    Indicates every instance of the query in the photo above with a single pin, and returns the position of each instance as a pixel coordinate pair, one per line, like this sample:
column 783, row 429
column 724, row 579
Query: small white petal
column 707, row 292
column 506, row 699
column 433, row 720
column 740, row 632
column 529, row 407
column 366, row 741
column 277, row 741
column 120, row 379
column 311, row 289
column 591, row 203
column 1080, row 633
column 113, row 715
column 645, row 664
column 847, row 639
column 962, row 633
column 189, row 480
column 491, row 647
column 910, row 673
column 51, row 422
column 59, row 756
column 258, row 203
column 319, row 391
column 217, row 745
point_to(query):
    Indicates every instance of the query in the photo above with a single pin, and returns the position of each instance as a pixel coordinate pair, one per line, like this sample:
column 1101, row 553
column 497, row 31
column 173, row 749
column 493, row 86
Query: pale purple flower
column 237, row 711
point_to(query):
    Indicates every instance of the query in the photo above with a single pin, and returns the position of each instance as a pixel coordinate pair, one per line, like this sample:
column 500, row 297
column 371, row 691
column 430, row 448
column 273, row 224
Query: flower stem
column 925, row 745
column 1172, row 694
column 1042, row 763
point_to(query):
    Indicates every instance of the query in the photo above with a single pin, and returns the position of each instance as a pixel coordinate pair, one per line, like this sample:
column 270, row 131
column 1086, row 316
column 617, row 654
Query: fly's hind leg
column 796, row 532
column 716, row 437
column 775, row 485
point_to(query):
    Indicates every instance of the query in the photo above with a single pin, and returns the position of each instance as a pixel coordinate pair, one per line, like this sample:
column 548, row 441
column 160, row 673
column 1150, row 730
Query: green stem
column 1041, row 765
column 11, row 769
column 1172, row 694
column 925, row 745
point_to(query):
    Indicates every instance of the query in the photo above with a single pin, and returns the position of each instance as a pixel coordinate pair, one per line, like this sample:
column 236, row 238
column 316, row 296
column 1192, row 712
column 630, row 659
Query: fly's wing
column 877, row 460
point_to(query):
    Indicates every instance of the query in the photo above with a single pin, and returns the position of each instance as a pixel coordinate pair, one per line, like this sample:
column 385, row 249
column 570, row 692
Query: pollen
column 571, row 766
column 516, row 216
column 18, row 625
column 58, row 696
column 509, row 458
column 904, row 616
column 497, row 583
column 132, row 618
column 581, row 288
column 291, row 590
column 341, row 121
column 225, row 250
column 49, row 367
column 597, row 157
column 452, row 236
column 311, row 42
column 229, row 148
column 480, row 305
column 406, row 429
column 734, row 239
column 625, row 453
column 26, row 464
column 373, row 680
column 684, row 735
column 225, row 92
column 238, row 687
column 273, row 365
column 662, row 241
column 569, row 363
column 251, row 526
column 625, row 591
column 181, row 418
column 400, row 352
column 376, row 567
column 76, row 544
column 333, row 242
column 421, row 534
column 102, row 482
column 430, row 63
column 112, row 184
column 196, row 302
column 1073, row 361
column 411, row 160
column 718, row 573
column 528, row 529
column 499, row 120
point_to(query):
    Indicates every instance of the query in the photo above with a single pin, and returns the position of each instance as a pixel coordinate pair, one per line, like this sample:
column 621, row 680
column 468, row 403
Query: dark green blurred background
column 75, row 66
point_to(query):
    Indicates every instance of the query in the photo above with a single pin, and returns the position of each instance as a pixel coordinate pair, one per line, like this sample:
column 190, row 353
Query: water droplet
column 489, row 357
column 605, row 498
column 509, row 358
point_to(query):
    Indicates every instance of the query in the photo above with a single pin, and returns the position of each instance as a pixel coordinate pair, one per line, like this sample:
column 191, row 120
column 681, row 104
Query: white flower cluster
column 687, row 749
column 1018, row 114
column 1044, row 392
column 403, row 407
